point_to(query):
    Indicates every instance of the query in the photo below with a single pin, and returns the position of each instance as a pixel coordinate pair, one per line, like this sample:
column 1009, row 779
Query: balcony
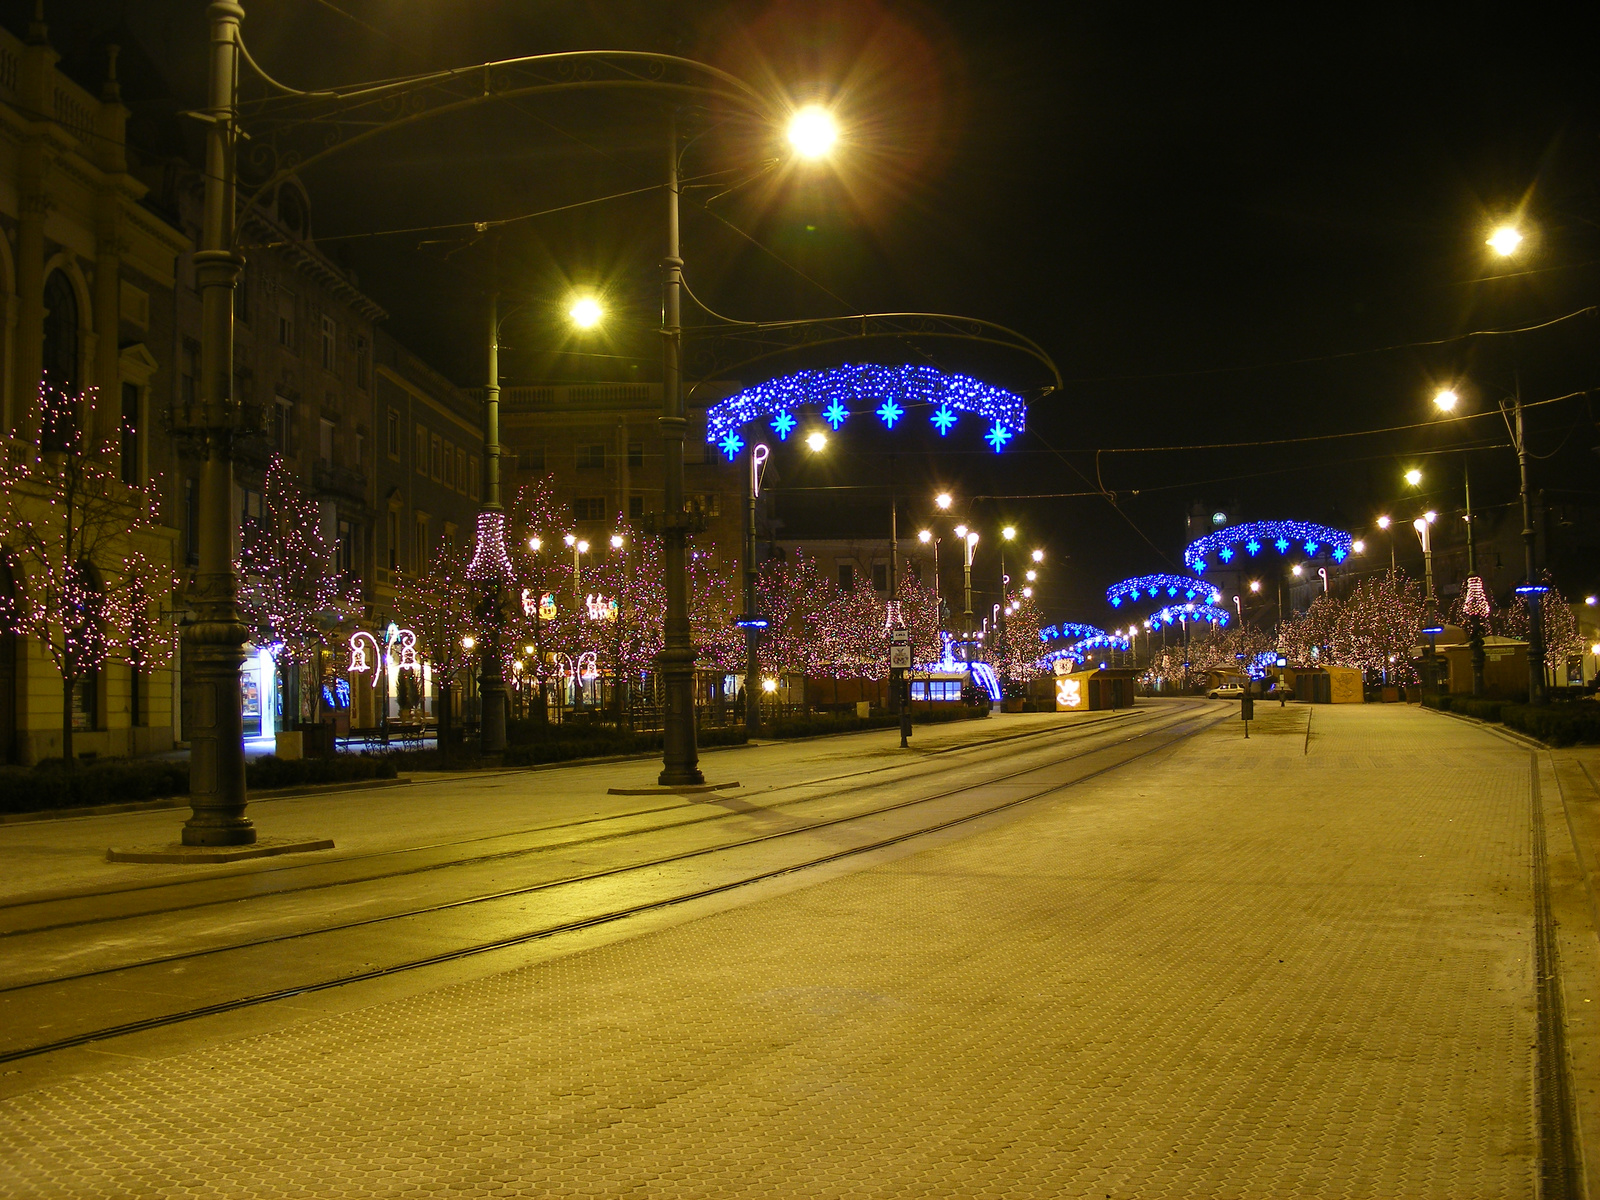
column 345, row 483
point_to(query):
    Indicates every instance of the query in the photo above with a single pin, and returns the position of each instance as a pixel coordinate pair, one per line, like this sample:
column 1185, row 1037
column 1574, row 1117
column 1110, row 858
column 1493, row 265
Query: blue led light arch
column 889, row 393
column 1181, row 613
column 1069, row 629
column 1158, row 587
column 1255, row 538
column 1080, row 649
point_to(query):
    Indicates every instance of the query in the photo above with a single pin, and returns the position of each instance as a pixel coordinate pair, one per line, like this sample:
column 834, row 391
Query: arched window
column 59, row 418
column 60, row 332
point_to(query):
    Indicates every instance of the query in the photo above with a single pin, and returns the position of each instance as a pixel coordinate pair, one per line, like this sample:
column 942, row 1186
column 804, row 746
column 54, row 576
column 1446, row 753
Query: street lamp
column 579, row 547
column 816, row 441
column 586, row 312
column 969, row 539
column 1038, row 556
column 1414, row 477
column 928, row 537
column 813, row 131
column 1504, row 240
column 1445, row 400
column 1383, row 523
column 943, row 501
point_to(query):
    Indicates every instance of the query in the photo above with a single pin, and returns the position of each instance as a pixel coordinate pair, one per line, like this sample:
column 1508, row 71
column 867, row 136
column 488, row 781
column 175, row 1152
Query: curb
column 1522, row 739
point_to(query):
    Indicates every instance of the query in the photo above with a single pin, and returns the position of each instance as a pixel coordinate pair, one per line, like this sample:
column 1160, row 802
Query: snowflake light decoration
column 1210, row 614
column 731, row 444
column 890, row 391
column 1185, row 587
column 1069, row 629
column 783, row 425
column 1316, row 539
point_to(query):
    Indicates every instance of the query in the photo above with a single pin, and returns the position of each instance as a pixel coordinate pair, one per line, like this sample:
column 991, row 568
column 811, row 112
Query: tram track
column 263, row 883
column 147, row 978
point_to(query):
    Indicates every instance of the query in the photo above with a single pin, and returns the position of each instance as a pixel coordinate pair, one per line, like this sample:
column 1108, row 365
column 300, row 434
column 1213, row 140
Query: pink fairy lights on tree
column 90, row 582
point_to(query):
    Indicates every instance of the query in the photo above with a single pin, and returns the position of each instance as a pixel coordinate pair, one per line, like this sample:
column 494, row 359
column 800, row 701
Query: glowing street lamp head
column 813, row 131
column 961, row 531
column 769, row 686
column 1297, row 570
column 534, row 543
column 816, row 441
column 1009, row 532
column 1414, row 477
column 1027, row 593
column 1038, row 556
column 925, row 536
column 1255, row 585
column 1445, row 400
column 944, row 501
column 586, row 312
column 1358, row 546
column 528, row 650
column 1504, row 240
column 468, row 642
column 616, row 541
column 1419, row 524
column 1383, row 522
column 571, row 539
column 1430, row 516
column 583, row 547
column 1032, row 576
column 972, row 538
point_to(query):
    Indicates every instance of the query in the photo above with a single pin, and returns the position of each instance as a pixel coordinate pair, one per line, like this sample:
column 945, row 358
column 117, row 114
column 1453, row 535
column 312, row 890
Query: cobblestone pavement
column 1267, row 968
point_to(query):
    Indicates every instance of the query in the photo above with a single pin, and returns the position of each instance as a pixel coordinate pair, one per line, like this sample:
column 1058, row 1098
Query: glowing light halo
column 1155, row 587
column 888, row 392
column 1069, row 629
column 1180, row 613
column 1282, row 536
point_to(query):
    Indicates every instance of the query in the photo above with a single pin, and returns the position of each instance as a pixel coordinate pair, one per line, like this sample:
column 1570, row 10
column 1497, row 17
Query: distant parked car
column 1227, row 691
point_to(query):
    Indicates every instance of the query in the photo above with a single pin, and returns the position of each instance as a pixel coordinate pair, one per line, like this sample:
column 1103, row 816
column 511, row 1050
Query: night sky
column 1223, row 228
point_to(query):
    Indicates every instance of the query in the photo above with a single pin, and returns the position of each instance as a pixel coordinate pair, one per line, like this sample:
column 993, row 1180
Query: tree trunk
column 66, row 722
column 442, row 722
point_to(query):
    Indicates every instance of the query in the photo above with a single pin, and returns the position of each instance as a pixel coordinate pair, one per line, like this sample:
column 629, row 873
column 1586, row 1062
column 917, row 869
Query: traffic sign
column 899, row 637
column 900, row 657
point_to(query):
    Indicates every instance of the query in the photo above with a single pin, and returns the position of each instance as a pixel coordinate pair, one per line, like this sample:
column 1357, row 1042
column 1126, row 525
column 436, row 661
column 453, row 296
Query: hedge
column 819, row 726
column 1560, row 724
column 602, row 742
column 270, row 771
column 111, row 781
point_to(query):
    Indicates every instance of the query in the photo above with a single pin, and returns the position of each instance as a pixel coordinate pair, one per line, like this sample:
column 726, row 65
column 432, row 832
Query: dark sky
column 1211, row 221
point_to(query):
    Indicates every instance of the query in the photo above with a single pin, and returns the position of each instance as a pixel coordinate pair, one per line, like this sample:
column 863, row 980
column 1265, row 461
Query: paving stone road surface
column 1235, row 968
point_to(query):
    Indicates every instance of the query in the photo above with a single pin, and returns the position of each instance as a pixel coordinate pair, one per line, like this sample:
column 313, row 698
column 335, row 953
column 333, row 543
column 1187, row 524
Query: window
column 86, row 702
column 252, row 519
column 420, row 543
column 393, row 539
column 191, row 522
column 635, row 454
column 635, row 507
column 283, row 426
column 60, row 333
column 592, row 456
column 130, row 435
column 361, row 448
column 707, row 504
column 847, row 577
column 345, row 550
column 449, row 463
column 363, row 363
column 461, row 470
column 330, row 343
column 326, row 449
column 391, row 433
column 420, row 452
column 286, row 320
column 472, row 476
column 189, row 372
column 589, row 508
column 436, row 459
column 936, row 689
column 533, row 458
column 880, row 577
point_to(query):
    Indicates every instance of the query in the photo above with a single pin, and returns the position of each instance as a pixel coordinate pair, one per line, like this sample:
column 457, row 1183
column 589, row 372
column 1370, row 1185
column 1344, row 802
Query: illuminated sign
column 600, row 609
column 1069, row 693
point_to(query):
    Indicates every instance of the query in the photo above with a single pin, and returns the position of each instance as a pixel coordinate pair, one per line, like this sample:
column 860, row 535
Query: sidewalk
column 1265, row 968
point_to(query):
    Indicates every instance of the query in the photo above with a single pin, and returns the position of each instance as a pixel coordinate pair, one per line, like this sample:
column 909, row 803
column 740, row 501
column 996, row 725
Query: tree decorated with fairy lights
column 293, row 594
column 1305, row 638
column 90, row 583
column 1378, row 626
column 1562, row 639
column 439, row 605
